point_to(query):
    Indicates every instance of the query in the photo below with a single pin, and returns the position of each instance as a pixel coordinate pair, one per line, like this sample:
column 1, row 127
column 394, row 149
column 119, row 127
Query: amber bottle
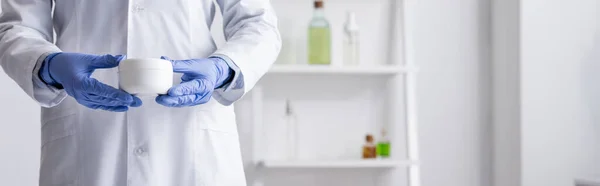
column 369, row 149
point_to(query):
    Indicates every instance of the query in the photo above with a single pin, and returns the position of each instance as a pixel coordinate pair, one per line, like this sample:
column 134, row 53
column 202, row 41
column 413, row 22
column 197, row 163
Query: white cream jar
column 145, row 76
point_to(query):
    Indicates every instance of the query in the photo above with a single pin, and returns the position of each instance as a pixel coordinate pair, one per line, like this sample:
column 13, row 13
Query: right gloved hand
column 72, row 72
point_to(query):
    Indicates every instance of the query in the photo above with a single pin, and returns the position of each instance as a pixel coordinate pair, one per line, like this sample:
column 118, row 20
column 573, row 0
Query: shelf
column 337, row 70
column 337, row 164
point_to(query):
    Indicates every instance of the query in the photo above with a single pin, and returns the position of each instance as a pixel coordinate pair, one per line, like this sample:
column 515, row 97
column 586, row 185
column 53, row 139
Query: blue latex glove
column 200, row 78
column 72, row 72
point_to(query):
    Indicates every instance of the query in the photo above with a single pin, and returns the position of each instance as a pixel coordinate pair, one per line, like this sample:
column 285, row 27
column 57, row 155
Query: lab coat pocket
column 218, row 118
column 57, row 128
column 59, row 121
column 59, row 152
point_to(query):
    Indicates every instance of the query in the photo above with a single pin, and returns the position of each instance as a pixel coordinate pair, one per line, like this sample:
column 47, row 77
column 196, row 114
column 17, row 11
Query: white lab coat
column 152, row 145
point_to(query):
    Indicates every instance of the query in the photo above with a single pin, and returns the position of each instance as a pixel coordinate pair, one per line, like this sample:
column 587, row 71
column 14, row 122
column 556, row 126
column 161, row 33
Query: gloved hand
column 72, row 72
column 200, row 78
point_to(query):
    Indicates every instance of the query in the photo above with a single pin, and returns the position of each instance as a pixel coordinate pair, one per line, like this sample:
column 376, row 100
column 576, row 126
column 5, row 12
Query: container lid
column 369, row 138
column 145, row 63
column 318, row 4
column 351, row 25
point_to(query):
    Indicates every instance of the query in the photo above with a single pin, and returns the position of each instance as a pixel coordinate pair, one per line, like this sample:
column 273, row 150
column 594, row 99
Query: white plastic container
column 145, row 76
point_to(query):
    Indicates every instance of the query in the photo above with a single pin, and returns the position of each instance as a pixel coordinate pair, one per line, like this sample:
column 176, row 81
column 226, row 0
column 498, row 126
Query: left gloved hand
column 200, row 78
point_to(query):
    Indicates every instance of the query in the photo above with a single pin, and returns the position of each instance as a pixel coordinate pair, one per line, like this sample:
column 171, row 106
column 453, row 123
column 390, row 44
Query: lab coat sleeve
column 25, row 40
column 253, row 43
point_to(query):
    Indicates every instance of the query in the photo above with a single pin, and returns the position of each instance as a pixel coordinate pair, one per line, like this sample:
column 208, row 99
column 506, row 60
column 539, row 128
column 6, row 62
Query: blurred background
column 468, row 92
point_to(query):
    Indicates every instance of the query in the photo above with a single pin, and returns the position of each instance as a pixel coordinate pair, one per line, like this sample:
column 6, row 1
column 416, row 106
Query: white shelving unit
column 338, row 70
column 338, row 164
column 401, row 75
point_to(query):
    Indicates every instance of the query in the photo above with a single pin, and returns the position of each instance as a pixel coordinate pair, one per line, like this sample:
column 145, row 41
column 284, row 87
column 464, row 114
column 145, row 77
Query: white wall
column 560, row 70
column 452, row 45
column 19, row 135
column 546, row 55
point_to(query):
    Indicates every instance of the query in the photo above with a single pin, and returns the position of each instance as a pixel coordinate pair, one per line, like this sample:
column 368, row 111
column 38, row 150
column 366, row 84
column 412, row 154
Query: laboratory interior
column 402, row 93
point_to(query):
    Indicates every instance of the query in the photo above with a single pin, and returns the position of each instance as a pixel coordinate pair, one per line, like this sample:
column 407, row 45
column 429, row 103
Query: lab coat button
column 137, row 8
column 140, row 151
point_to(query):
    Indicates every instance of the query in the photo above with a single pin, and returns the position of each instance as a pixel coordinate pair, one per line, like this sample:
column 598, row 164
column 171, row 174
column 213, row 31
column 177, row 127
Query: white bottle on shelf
column 351, row 40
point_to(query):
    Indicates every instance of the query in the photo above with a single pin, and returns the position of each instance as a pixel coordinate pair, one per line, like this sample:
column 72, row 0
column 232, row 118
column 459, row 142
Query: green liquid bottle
column 383, row 146
column 319, row 37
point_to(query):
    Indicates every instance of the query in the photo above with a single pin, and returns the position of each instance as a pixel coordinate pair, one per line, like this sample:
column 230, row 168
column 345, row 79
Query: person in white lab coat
column 87, row 139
